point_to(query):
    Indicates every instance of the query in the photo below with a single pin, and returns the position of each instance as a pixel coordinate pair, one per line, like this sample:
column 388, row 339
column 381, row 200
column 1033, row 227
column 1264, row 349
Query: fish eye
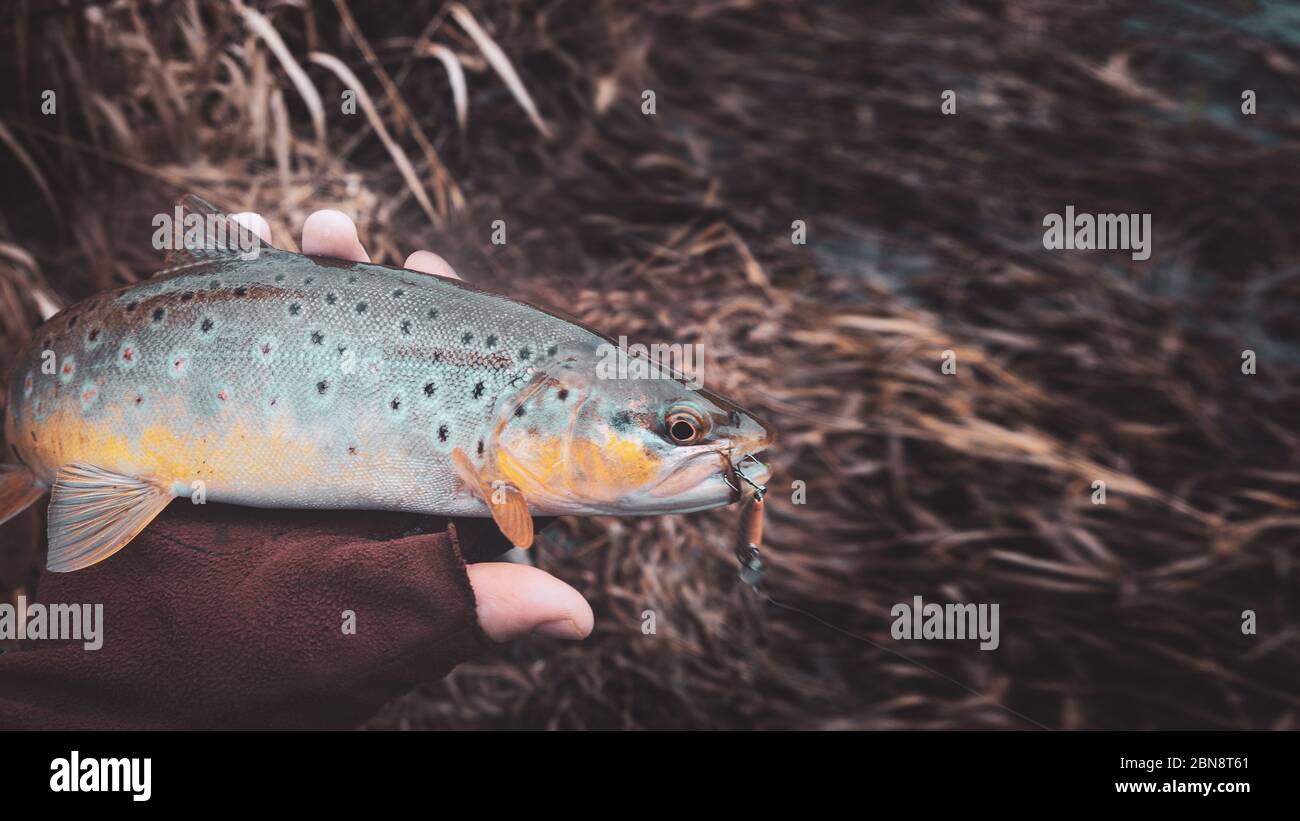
column 685, row 425
column 682, row 430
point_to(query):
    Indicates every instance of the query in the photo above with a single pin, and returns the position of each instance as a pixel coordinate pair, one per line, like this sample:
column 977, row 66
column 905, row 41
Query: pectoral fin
column 506, row 502
column 95, row 512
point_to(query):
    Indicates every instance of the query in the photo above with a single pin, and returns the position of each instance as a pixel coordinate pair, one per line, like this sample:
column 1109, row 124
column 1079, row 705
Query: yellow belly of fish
column 234, row 454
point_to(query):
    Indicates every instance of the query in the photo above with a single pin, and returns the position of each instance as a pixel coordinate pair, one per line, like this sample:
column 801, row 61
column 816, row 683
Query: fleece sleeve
column 226, row 617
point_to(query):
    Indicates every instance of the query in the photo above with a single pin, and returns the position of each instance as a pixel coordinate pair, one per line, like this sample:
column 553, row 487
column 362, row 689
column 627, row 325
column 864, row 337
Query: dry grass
column 924, row 236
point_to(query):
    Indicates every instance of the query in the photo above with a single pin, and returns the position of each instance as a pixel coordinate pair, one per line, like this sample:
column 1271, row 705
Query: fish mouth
column 711, row 478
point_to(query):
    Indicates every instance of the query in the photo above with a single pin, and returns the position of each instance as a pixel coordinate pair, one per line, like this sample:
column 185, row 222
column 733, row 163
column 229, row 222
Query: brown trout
column 281, row 380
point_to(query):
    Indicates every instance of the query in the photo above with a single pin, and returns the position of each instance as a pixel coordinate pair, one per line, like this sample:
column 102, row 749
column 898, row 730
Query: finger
column 430, row 263
column 332, row 234
column 515, row 600
column 254, row 223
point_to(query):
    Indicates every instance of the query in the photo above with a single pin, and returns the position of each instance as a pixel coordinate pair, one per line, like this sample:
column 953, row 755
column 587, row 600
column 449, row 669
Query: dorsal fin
column 201, row 232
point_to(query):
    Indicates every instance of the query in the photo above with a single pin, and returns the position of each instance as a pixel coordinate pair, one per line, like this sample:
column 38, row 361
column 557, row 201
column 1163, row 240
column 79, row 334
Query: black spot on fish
column 72, row 323
column 131, row 306
column 478, row 390
column 563, row 394
column 241, row 291
column 33, row 436
column 406, row 326
column 93, row 335
column 428, row 389
column 352, row 451
column 216, row 283
column 187, row 296
column 361, row 307
column 352, row 280
column 158, row 314
column 330, row 299
column 519, row 411
column 294, row 309
column 442, row 433
column 342, row 349
column 524, row 353
column 622, row 420
column 139, row 398
column 433, row 313
column 396, row 403
column 480, row 447
column 399, row 293
column 491, row 340
column 552, row 350
column 467, row 338
column 308, row 280
column 279, row 277
column 205, row 325
column 437, row 355
column 317, row 337
column 322, row 386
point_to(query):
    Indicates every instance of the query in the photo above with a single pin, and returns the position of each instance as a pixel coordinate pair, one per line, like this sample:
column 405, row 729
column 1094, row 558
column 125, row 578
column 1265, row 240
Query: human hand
column 231, row 617
column 513, row 600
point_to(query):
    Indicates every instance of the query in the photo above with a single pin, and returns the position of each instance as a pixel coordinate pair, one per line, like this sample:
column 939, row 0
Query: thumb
column 514, row 600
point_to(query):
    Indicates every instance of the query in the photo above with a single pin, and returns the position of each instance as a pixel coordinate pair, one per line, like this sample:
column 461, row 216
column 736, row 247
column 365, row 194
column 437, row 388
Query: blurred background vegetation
column 924, row 235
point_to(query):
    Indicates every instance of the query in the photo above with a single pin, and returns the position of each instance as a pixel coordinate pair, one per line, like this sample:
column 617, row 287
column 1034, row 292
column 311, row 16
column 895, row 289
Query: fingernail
column 559, row 629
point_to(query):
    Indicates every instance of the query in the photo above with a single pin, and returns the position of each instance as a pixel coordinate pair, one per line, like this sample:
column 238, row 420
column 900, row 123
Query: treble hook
column 759, row 490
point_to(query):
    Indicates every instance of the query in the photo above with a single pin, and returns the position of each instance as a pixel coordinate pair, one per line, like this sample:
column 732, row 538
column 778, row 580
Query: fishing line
column 768, row 598
column 751, row 572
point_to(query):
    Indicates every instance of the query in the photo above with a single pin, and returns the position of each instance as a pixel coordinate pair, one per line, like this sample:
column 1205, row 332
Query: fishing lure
column 751, row 523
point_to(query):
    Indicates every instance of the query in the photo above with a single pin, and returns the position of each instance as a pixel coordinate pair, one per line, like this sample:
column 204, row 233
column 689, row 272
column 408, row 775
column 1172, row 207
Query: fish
column 281, row 380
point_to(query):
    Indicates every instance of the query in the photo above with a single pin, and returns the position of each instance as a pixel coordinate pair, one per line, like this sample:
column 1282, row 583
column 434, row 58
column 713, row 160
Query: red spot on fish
column 266, row 348
column 27, row 383
column 179, row 364
column 222, row 395
column 67, row 367
column 128, row 354
column 88, row 395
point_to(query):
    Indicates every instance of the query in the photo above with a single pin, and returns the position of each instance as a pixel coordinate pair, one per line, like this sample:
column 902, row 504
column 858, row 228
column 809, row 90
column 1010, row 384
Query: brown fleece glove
column 245, row 626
